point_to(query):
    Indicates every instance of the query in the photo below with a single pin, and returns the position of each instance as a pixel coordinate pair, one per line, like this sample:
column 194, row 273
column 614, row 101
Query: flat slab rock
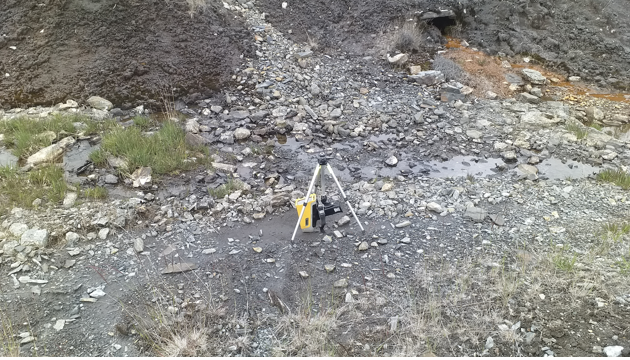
column 475, row 214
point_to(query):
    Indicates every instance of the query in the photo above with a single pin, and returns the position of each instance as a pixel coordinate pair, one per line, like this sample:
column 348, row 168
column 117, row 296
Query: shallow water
column 6, row 158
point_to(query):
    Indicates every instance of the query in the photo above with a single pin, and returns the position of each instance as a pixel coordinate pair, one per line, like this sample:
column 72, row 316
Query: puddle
column 78, row 156
column 6, row 158
column 75, row 158
column 555, row 169
column 463, row 166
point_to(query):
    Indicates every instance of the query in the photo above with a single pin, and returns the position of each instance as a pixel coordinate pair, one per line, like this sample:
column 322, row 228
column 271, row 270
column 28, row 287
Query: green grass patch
column 97, row 127
column 165, row 151
column 577, row 130
column 617, row 177
column 95, row 193
column 25, row 136
column 596, row 126
column 225, row 189
column 21, row 189
column 143, row 122
column 563, row 261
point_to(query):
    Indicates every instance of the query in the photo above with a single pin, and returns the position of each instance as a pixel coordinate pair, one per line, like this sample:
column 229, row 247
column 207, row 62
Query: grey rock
column 594, row 113
column 528, row 98
column 329, row 268
column 227, row 137
column 474, row 134
column 194, row 140
column 141, row 177
column 111, row 179
column 239, row 114
column 335, row 113
column 99, row 103
column 364, row 246
column 431, row 77
column 489, row 343
column 37, row 238
column 343, row 221
column 138, row 245
column 476, row 214
column 192, row 126
column 341, row 283
column 508, row 155
column 97, row 293
column 533, row 76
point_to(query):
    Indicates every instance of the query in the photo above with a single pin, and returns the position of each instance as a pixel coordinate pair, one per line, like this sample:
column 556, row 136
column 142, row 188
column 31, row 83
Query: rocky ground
column 486, row 229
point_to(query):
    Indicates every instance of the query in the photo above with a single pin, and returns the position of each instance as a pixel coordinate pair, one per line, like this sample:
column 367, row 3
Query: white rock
column 102, row 234
column 17, row 229
column 434, row 207
column 59, row 324
column 98, row 102
column 138, row 245
column 72, row 236
column 69, row 200
column 37, row 238
column 50, row 153
column 613, row 351
column 97, row 294
column 241, row 133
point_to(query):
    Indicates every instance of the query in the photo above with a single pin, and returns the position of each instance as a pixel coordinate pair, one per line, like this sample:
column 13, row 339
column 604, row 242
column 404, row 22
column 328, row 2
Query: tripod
column 323, row 207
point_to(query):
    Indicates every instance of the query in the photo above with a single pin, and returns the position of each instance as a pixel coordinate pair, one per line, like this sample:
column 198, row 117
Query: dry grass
column 195, row 6
column 9, row 345
column 446, row 310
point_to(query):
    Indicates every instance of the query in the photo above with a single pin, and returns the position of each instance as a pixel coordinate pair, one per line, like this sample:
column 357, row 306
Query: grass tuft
column 225, row 189
column 577, row 130
column 617, row 177
column 9, row 345
column 95, row 193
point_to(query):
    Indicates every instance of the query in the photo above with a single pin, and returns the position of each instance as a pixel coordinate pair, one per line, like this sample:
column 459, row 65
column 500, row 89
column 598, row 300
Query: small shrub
column 142, row 122
column 409, row 37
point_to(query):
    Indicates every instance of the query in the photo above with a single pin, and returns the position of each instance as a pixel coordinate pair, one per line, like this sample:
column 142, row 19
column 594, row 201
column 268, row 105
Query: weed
column 98, row 157
column 596, row 126
column 97, row 127
column 10, row 346
column 617, row 177
column 96, row 193
column 409, row 37
column 195, row 5
column 226, row 189
column 143, row 122
column 615, row 231
column 564, row 262
column 470, row 178
column 624, row 265
column 577, row 130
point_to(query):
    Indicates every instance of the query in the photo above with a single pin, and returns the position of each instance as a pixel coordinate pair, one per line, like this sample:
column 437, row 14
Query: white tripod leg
column 308, row 194
column 345, row 198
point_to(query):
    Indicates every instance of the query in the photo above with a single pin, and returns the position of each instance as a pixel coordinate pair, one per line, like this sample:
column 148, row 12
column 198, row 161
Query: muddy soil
column 587, row 38
column 128, row 51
